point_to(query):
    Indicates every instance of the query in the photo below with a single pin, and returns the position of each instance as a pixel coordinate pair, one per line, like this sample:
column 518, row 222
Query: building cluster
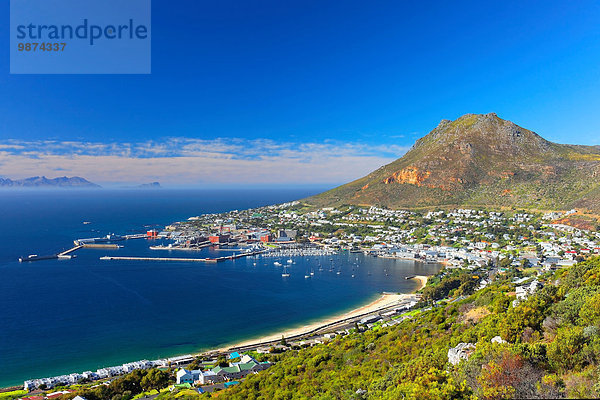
column 460, row 238
column 235, row 370
column 103, row 373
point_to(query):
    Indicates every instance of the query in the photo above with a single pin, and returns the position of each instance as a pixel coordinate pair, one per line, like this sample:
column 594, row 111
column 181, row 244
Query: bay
column 63, row 316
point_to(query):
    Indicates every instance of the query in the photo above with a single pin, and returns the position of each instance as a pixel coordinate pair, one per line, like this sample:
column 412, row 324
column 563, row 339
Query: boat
column 86, row 222
column 277, row 264
column 289, row 261
column 312, row 272
column 285, row 273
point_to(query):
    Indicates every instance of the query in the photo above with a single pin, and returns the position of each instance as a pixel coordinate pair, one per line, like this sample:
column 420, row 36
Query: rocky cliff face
column 480, row 160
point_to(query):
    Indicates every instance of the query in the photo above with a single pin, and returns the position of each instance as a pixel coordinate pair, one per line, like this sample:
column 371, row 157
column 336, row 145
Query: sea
column 64, row 316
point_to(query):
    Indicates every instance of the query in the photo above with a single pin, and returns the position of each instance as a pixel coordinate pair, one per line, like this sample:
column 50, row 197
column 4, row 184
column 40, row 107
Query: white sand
column 384, row 301
column 422, row 280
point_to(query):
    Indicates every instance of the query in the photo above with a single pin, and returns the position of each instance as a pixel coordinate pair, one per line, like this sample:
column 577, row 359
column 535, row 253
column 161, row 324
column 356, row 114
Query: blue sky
column 325, row 89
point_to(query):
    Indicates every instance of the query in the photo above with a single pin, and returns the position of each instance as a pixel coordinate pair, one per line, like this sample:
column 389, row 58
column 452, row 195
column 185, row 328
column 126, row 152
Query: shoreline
column 386, row 300
column 422, row 281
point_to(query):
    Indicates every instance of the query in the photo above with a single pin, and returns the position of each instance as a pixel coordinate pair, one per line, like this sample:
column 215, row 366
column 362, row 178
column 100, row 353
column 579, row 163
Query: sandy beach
column 384, row 301
column 422, row 280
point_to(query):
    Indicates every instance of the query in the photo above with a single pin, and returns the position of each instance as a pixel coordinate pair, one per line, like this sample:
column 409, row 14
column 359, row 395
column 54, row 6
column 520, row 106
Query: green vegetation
column 14, row 394
column 552, row 349
column 125, row 387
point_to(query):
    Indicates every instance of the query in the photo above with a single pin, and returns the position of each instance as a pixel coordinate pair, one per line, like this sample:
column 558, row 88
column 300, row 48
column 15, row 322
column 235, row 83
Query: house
column 263, row 350
column 219, row 374
column 524, row 291
column 184, row 376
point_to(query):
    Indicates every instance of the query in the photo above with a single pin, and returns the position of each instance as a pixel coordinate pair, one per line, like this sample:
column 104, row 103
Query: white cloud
column 197, row 161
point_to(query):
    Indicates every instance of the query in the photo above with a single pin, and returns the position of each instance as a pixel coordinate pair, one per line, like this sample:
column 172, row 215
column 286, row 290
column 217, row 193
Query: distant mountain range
column 480, row 160
column 43, row 182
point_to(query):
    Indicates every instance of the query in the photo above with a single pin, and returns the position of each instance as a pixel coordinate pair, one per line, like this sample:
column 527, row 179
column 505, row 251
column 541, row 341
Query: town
column 461, row 238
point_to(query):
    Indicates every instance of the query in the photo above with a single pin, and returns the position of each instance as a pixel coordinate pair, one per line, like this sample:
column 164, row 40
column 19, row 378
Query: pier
column 101, row 246
column 64, row 253
column 207, row 260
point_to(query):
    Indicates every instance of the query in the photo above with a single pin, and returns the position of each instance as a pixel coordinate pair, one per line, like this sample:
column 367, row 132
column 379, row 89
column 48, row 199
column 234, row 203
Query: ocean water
column 62, row 316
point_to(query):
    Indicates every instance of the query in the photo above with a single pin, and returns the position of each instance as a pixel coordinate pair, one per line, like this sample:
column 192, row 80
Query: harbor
column 207, row 260
column 245, row 283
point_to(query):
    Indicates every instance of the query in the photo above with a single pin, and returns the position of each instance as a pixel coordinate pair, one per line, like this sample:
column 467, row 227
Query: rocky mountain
column 480, row 160
column 43, row 182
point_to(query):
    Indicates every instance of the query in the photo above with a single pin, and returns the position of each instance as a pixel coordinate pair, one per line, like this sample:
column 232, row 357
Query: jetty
column 62, row 255
column 182, row 259
column 66, row 252
column 209, row 260
column 101, row 246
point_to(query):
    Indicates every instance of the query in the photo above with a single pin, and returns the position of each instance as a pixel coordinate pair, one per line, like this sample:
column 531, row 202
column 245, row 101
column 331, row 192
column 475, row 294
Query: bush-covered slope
column 552, row 349
column 480, row 160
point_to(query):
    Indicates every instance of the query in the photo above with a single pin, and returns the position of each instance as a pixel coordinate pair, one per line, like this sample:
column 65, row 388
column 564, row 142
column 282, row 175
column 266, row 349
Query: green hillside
column 552, row 347
column 480, row 160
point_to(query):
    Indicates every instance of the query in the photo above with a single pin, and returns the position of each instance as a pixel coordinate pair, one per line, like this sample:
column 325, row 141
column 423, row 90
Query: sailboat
column 285, row 274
